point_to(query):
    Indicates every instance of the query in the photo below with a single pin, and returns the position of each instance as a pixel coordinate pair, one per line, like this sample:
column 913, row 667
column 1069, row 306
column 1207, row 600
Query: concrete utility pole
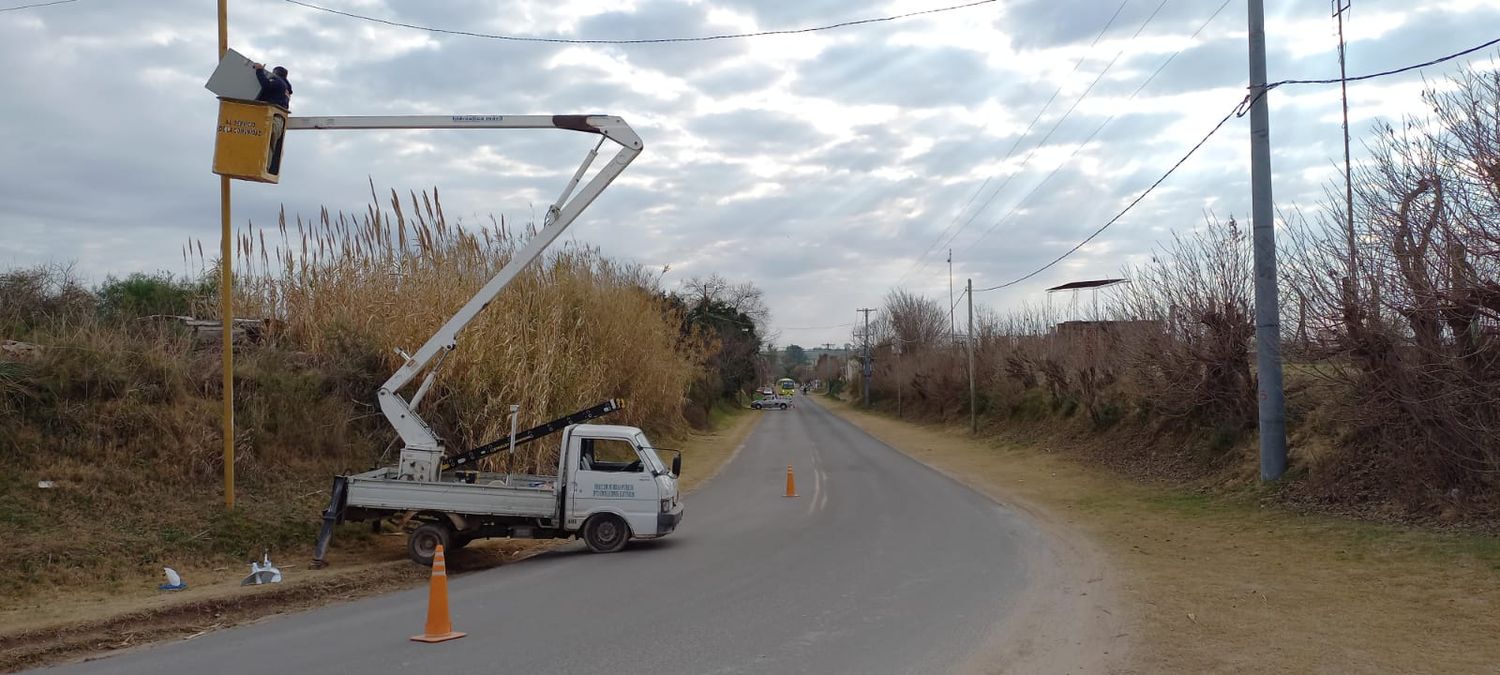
column 900, row 407
column 952, row 325
column 226, row 298
column 1267, row 307
column 973, row 412
column 869, row 369
column 1339, row 8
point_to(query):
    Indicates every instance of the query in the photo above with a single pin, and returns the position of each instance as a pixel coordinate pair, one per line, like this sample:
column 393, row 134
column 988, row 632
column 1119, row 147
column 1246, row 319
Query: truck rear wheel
column 422, row 543
column 606, row 533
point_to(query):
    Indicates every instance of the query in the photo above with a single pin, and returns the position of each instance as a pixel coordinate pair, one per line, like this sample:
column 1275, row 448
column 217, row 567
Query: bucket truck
column 610, row 483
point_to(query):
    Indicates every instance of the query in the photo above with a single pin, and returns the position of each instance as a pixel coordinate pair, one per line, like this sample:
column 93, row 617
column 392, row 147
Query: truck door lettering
column 616, row 490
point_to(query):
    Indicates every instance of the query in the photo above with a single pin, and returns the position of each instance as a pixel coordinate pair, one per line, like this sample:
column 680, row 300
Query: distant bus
column 786, row 386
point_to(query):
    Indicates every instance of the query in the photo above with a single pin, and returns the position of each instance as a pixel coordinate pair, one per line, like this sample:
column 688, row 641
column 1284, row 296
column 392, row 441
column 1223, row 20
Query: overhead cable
column 1026, row 161
column 1079, row 147
column 960, row 299
column 837, row 325
column 639, row 41
column 35, row 5
column 1386, row 73
column 1239, row 110
column 918, row 264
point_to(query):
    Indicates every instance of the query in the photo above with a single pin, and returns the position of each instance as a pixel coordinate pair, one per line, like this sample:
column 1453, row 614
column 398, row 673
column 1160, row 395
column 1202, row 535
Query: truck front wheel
column 422, row 543
column 606, row 533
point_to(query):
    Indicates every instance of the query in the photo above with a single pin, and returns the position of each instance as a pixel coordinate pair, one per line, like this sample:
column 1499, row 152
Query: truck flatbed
column 491, row 494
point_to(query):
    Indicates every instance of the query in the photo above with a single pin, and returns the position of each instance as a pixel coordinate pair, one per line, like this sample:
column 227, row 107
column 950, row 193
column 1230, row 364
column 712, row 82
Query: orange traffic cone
column 791, row 482
column 439, row 625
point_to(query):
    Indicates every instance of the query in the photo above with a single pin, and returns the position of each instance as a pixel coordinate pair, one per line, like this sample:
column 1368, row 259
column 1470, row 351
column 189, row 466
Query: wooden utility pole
column 226, row 298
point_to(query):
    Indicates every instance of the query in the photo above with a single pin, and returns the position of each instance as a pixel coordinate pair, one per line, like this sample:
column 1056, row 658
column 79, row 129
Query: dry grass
column 1224, row 584
column 123, row 415
column 570, row 331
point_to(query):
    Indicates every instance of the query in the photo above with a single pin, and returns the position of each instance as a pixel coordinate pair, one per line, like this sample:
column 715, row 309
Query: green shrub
column 142, row 294
column 1106, row 415
column 835, row 387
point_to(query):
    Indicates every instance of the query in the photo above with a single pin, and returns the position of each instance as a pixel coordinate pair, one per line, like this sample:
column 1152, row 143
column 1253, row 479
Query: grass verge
column 1225, row 584
column 705, row 453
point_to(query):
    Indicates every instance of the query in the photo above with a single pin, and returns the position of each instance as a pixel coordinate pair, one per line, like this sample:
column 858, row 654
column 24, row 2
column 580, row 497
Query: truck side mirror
column 677, row 465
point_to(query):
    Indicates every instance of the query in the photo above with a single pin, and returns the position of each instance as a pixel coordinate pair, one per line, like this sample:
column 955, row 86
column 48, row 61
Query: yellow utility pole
column 226, row 297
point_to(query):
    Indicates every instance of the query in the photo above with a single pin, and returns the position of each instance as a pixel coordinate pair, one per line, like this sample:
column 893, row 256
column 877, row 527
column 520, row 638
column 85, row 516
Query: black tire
column 422, row 543
column 606, row 533
column 783, row 406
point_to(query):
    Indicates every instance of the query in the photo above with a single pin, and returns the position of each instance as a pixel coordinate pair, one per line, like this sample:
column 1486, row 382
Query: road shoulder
column 1215, row 582
column 1069, row 620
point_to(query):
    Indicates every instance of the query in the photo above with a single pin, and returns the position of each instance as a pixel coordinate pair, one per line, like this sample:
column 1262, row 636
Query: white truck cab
column 613, row 472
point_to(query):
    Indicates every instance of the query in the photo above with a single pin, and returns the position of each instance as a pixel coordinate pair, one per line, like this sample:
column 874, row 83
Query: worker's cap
column 280, row 71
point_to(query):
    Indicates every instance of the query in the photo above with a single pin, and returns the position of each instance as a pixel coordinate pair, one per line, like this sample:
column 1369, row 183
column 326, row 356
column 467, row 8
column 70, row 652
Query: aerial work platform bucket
column 247, row 143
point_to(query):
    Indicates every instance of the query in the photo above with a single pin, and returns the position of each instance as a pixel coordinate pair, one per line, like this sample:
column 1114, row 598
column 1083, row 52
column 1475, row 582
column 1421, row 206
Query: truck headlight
column 666, row 505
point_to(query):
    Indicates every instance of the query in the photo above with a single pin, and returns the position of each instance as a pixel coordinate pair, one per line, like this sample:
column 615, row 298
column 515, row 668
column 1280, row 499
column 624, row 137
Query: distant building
column 1104, row 328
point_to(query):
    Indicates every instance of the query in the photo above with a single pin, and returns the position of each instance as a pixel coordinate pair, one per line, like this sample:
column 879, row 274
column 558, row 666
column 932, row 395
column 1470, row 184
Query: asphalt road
column 880, row 566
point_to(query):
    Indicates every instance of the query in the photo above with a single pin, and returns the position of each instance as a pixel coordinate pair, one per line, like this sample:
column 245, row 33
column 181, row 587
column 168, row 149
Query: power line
column 837, row 325
column 34, row 5
column 639, row 41
column 960, row 299
column 1239, row 110
column 1079, row 148
column 1025, row 162
column 917, row 265
column 1385, row 73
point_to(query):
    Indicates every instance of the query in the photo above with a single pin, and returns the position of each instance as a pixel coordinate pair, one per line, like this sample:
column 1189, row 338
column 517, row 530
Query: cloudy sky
column 820, row 166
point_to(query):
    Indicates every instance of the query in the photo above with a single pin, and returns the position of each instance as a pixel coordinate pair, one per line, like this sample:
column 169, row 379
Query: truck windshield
column 649, row 454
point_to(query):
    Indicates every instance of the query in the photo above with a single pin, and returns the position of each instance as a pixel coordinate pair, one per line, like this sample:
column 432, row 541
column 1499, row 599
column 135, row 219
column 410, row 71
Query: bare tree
column 743, row 297
column 1415, row 357
column 916, row 322
column 1189, row 351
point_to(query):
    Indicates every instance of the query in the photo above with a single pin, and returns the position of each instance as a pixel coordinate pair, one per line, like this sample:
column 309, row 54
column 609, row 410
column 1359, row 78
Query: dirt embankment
column 1226, row 584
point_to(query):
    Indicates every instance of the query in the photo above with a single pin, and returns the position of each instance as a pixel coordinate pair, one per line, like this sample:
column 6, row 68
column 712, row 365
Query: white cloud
column 819, row 166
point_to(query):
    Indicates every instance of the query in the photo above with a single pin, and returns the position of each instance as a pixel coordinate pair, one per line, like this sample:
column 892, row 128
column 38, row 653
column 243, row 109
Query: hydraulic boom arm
column 516, row 440
column 421, row 459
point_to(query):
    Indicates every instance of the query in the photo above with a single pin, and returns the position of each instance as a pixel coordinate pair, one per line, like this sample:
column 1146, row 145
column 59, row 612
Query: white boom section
column 421, row 459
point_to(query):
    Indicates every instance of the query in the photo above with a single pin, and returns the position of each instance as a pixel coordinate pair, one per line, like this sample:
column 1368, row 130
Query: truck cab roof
column 607, row 430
